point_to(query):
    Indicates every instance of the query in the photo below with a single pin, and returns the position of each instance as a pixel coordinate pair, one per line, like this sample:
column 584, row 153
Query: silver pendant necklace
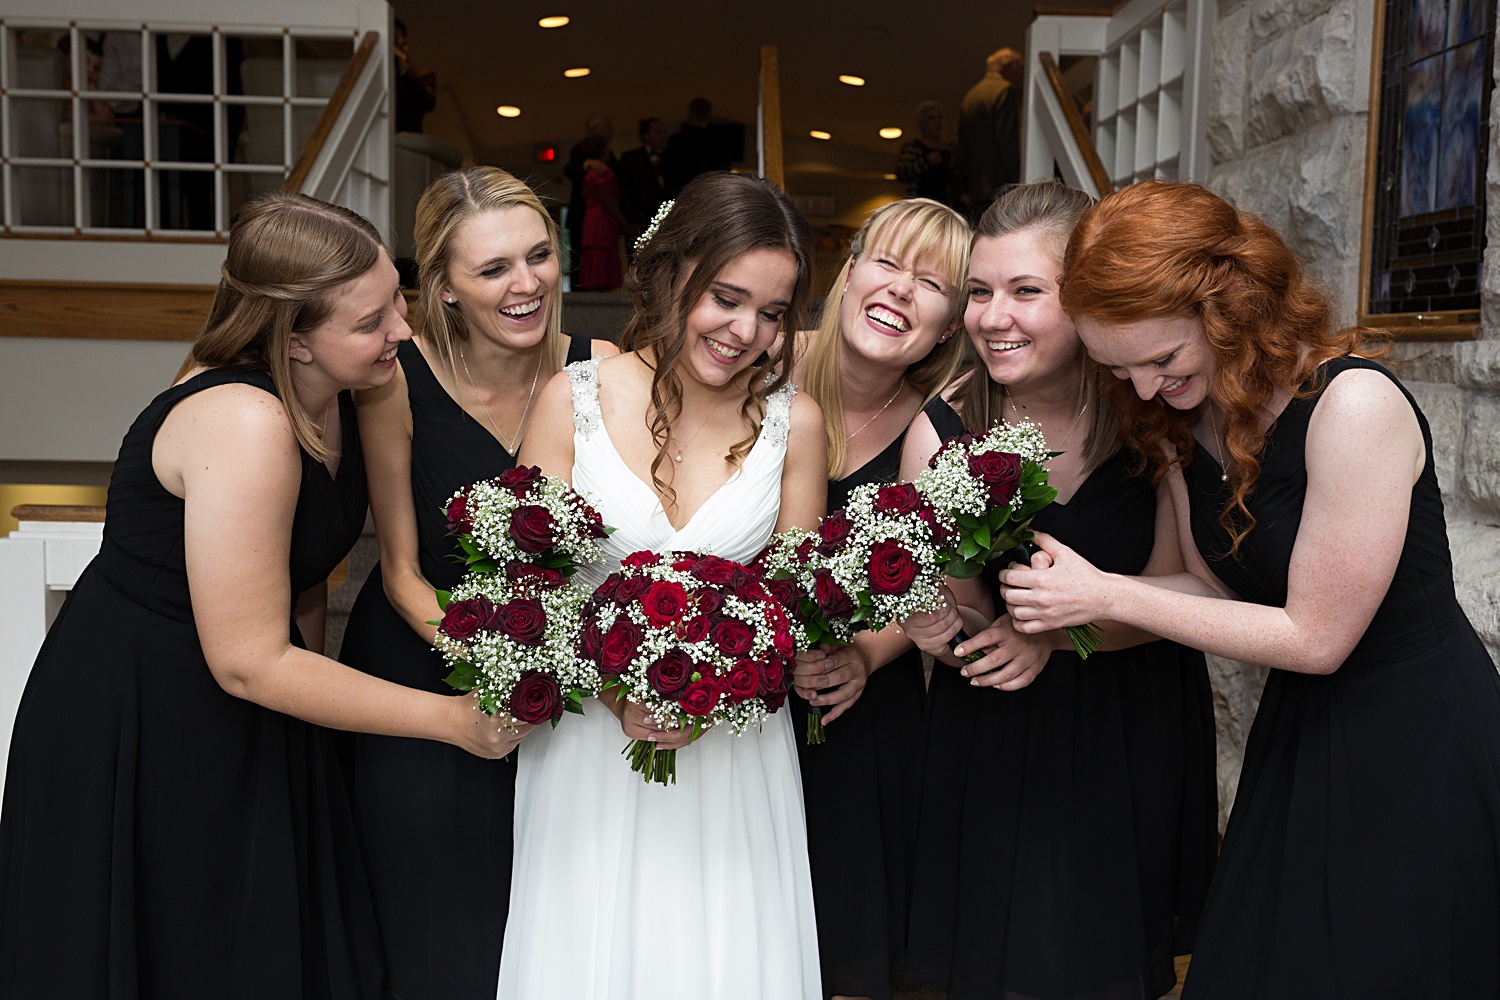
column 1071, row 427
column 1214, row 424
column 521, row 427
column 900, row 384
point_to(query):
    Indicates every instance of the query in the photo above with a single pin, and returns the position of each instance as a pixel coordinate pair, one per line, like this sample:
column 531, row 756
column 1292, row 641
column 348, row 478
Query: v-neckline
column 651, row 490
column 453, row 401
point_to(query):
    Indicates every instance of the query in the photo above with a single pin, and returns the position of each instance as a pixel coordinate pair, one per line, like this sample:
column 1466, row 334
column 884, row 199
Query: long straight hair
column 449, row 202
column 286, row 253
column 916, row 229
column 717, row 218
column 1051, row 210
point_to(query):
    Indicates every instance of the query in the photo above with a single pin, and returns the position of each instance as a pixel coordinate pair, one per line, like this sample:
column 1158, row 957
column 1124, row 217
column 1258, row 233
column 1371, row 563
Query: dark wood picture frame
column 1385, row 138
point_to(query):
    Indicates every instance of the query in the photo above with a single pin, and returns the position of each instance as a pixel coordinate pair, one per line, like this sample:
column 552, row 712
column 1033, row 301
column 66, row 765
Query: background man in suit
column 989, row 130
column 695, row 149
column 643, row 185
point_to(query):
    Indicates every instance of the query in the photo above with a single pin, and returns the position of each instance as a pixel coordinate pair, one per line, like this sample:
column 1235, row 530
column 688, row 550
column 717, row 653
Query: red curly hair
column 1160, row 249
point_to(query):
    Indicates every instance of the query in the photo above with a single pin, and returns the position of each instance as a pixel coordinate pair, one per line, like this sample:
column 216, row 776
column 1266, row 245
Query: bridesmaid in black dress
column 174, row 823
column 1067, row 820
column 435, row 824
column 1363, row 855
column 885, row 345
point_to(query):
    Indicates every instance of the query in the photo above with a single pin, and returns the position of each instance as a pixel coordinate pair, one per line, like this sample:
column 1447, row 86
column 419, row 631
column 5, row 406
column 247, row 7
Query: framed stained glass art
column 1424, row 225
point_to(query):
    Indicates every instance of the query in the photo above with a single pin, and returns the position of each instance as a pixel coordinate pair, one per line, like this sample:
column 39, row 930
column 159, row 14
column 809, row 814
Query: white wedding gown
column 624, row 890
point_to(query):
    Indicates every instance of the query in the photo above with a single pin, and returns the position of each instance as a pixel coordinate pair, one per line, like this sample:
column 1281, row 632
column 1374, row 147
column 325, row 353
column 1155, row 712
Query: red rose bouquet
column 873, row 562
column 694, row 639
column 990, row 488
column 509, row 629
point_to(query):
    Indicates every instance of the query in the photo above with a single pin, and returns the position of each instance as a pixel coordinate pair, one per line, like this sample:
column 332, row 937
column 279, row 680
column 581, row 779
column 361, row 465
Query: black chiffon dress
column 1066, row 831
column 1363, row 855
column 859, row 790
column 161, row 839
column 435, row 822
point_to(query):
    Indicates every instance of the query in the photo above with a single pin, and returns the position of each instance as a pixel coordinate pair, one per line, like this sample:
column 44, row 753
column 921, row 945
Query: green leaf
column 443, row 597
column 982, row 537
column 968, row 549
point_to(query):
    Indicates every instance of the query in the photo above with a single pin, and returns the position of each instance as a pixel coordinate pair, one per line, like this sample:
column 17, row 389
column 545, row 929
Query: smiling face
column 355, row 346
column 895, row 311
column 931, row 126
column 503, row 275
column 1162, row 356
column 738, row 317
column 1014, row 317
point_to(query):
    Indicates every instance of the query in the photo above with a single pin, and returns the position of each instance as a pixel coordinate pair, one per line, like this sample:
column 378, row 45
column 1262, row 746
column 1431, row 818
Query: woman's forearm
column 414, row 599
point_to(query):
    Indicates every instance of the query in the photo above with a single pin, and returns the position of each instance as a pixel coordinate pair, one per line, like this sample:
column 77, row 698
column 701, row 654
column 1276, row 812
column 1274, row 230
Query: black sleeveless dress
column 435, row 822
column 1363, row 855
column 161, row 839
column 859, row 791
column 1066, row 831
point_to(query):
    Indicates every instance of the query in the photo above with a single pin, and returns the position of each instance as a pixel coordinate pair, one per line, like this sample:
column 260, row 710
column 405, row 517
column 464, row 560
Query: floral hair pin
column 650, row 231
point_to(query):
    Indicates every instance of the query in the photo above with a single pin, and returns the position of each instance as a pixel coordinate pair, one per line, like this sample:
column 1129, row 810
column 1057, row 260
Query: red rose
column 892, row 568
column 782, row 640
column 701, row 697
column 458, row 515
column 746, row 585
column 519, row 479
column 832, row 532
column 536, row 698
column 591, row 645
column 621, row 644
column 645, row 557
column 901, row 498
column 532, row 528
column 785, row 593
column 664, row 603
column 522, row 572
column 671, row 672
column 772, row 676
column 830, row 597
column 685, row 561
column 464, row 619
column 523, row 620
column 713, row 569
column 693, row 629
column 709, row 601
column 804, row 550
column 998, row 470
column 775, row 699
column 732, row 636
column 631, row 588
column 595, row 522
column 744, row 680
column 606, row 590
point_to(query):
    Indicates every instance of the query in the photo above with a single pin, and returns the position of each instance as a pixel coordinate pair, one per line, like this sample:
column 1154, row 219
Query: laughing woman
column 886, row 345
column 489, row 334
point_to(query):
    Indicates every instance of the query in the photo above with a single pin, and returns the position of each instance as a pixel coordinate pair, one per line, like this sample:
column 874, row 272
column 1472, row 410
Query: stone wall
column 1288, row 126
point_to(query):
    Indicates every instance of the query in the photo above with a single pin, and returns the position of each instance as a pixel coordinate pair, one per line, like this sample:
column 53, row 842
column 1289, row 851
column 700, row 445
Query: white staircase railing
column 1150, row 117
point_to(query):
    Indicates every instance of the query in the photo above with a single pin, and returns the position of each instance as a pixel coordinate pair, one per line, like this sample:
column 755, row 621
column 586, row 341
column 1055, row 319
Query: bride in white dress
column 623, row 889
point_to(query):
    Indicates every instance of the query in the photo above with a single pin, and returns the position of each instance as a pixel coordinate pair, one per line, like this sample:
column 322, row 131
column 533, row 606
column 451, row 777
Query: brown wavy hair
column 287, row 253
column 1170, row 250
column 717, row 218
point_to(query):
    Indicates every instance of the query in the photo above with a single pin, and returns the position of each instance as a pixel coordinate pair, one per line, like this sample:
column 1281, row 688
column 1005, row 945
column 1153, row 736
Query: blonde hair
column 717, row 218
column 1051, row 209
column 286, row 252
column 449, row 202
column 915, row 229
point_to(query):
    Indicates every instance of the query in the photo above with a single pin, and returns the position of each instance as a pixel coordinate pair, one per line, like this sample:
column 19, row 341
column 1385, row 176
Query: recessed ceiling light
column 576, row 72
column 508, row 111
column 851, row 80
column 552, row 22
column 818, row 133
column 889, row 177
column 890, row 133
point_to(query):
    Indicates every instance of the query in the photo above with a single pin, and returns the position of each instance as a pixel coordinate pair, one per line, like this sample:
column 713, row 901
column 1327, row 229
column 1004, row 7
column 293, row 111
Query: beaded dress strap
column 778, row 420
column 584, row 376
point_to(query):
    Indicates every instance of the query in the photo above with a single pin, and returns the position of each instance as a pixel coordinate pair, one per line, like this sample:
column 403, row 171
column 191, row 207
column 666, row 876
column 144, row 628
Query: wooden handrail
column 331, row 111
column 1075, row 125
column 770, row 97
column 57, row 512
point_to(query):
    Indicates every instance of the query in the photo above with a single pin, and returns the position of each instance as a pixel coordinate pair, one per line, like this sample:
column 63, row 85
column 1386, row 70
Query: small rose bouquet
column 694, row 639
column 509, row 629
column 990, row 488
column 875, row 561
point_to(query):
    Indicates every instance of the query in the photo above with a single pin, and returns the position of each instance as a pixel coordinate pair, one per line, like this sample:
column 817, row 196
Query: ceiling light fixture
column 508, row 111
column 576, row 72
column 556, row 21
column 851, row 80
column 890, row 133
column 818, row 133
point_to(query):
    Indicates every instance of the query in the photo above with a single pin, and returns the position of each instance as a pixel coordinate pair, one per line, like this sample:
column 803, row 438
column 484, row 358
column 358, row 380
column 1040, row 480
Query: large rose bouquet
column 875, row 561
column 694, row 639
column 990, row 488
column 509, row 629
